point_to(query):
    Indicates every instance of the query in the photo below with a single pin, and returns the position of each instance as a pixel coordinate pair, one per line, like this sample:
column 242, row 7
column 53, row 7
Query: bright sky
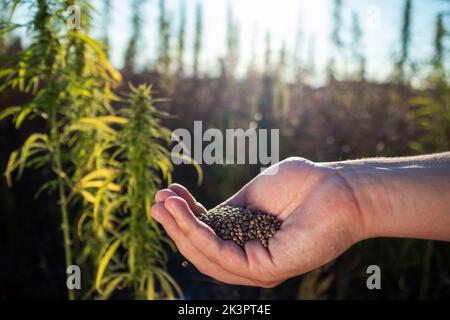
column 381, row 22
column 380, row 19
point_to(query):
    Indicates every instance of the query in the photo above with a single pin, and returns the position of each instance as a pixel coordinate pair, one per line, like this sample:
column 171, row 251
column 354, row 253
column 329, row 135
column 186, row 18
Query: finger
column 163, row 194
column 224, row 253
column 260, row 260
column 191, row 253
column 184, row 193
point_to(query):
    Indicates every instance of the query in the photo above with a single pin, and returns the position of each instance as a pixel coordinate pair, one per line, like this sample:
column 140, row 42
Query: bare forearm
column 401, row 197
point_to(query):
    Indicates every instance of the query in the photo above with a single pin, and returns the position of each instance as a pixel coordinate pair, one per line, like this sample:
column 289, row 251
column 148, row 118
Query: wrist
column 360, row 193
column 399, row 199
column 370, row 186
column 371, row 197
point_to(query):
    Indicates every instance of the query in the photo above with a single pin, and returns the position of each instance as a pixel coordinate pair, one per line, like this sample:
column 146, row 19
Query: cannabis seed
column 241, row 224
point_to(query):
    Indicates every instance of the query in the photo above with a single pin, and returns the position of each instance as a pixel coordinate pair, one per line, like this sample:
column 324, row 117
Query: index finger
column 224, row 253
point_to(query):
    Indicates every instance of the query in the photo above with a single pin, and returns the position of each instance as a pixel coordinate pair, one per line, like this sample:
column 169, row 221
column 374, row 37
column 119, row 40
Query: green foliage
column 181, row 39
column 336, row 36
column 164, row 57
column 431, row 113
column 105, row 163
column 432, row 107
column 399, row 71
column 232, row 56
column 357, row 54
column 127, row 245
column 433, row 117
column 281, row 94
column 336, row 40
column 198, row 38
column 106, row 22
column 55, row 68
column 90, row 145
column 131, row 51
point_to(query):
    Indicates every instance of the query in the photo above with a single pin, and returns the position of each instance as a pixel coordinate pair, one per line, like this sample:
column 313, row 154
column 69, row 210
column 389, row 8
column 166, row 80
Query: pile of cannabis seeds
column 241, row 224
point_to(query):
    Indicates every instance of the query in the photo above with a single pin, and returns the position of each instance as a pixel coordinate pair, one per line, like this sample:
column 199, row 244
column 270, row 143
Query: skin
column 325, row 207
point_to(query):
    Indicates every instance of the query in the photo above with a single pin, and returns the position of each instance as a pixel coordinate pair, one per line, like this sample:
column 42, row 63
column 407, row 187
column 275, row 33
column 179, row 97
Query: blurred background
column 341, row 79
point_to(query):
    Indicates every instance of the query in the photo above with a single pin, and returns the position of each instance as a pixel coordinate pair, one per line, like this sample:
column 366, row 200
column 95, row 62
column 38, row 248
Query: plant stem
column 65, row 225
column 62, row 195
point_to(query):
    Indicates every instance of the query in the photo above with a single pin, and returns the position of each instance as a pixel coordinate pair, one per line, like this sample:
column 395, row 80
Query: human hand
column 320, row 221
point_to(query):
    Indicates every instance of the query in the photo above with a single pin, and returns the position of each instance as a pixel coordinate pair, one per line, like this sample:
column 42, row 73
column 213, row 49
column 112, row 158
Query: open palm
column 320, row 221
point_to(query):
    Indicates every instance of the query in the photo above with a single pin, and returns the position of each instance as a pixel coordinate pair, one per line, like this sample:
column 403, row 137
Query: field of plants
column 84, row 144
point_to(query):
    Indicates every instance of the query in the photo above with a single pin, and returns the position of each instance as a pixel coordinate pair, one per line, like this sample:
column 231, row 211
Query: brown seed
column 241, row 224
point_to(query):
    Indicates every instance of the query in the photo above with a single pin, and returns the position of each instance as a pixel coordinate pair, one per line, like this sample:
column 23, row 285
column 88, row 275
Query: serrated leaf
column 31, row 147
column 101, row 54
column 80, row 223
column 11, row 166
column 99, row 173
column 168, row 284
column 22, row 72
column 109, row 208
column 112, row 119
column 99, row 197
column 132, row 255
column 9, row 111
column 98, row 124
column 87, row 196
column 150, row 287
column 24, row 113
column 100, row 184
column 148, row 208
column 104, row 261
column 111, row 286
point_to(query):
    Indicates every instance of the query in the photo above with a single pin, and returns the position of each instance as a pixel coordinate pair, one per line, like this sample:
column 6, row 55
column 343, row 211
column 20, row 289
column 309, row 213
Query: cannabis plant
column 55, row 68
column 106, row 166
column 131, row 252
